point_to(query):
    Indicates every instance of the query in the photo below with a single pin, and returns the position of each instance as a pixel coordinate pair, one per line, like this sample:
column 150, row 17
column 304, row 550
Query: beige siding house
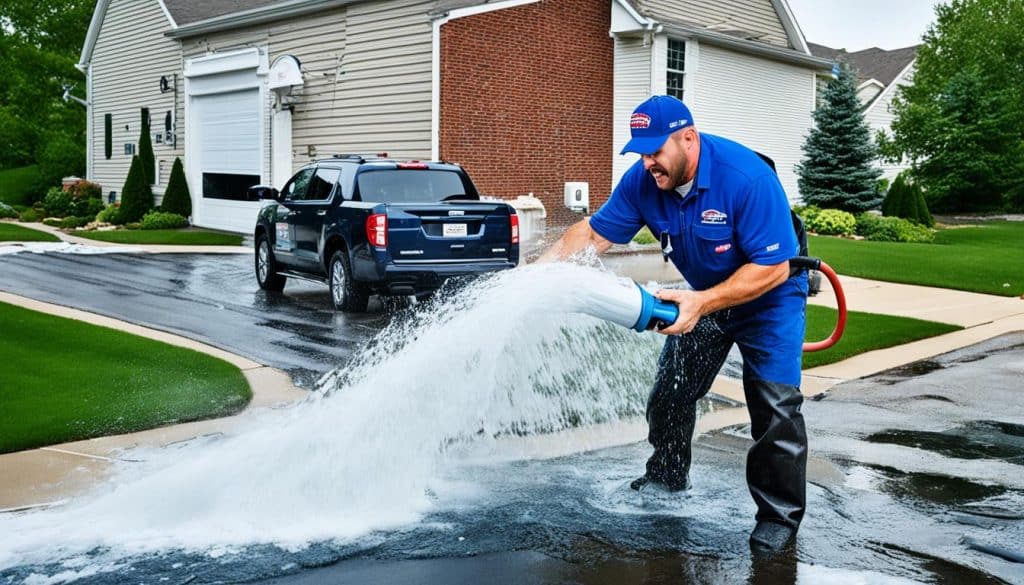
column 246, row 92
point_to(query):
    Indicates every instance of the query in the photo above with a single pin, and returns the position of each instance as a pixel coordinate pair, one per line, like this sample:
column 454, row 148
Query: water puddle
column 973, row 440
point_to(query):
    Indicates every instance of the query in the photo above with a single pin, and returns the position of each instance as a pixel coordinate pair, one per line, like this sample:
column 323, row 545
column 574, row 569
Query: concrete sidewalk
column 135, row 248
column 51, row 474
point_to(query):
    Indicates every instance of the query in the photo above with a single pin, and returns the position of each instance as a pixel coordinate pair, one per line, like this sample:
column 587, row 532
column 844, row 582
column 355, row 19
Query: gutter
column 278, row 11
column 782, row 54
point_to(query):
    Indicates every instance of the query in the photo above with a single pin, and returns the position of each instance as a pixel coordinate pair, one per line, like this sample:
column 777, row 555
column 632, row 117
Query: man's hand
column 691, row 308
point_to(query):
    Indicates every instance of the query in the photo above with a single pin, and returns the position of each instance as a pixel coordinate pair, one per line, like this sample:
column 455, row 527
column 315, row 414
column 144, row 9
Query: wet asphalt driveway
column 212, row 298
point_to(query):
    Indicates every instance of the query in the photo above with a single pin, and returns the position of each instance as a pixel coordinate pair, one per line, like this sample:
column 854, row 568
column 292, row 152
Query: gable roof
column 189, row 11
column 874, row 63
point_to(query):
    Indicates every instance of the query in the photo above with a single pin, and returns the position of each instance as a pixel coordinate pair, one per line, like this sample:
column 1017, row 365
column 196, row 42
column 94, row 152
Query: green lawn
column 979, row 259
column 190, row 237
column 864, row 332
column 65, row 380
column 15, row 183
column 10, row 232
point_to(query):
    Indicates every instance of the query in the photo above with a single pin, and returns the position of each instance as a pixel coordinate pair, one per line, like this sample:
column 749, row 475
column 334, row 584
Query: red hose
column 840, row 305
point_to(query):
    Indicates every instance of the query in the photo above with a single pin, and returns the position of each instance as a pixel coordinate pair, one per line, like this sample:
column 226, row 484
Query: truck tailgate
column 450, row 231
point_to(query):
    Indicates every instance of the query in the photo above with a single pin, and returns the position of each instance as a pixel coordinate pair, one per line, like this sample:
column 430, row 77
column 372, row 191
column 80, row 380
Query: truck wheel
column 266, row 268
column 347, row 295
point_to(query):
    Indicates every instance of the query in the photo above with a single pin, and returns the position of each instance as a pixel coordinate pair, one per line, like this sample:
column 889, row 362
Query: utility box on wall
column 577, row 196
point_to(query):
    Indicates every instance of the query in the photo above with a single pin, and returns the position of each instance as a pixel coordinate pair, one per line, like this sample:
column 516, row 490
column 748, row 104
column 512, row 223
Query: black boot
column 777, row 462
column 771, row 537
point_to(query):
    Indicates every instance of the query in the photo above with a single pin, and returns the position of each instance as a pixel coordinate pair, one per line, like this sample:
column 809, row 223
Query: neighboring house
column 526, row 94
column 880, row 73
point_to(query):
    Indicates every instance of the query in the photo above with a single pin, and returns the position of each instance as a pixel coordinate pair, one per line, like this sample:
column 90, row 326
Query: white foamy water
column 507, row 355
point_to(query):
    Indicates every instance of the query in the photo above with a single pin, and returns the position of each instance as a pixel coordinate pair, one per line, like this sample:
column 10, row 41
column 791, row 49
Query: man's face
column 676, row 163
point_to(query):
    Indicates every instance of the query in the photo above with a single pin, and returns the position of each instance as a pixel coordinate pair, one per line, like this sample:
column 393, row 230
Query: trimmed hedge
column 833, row 222
column 136, row 195
column 160, row 220
column 177, row 198
column 892, row 229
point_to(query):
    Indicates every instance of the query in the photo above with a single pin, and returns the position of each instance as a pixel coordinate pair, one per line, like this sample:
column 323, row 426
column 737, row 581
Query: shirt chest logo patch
column 723, row 248
column 641, row 121
column 713, row 217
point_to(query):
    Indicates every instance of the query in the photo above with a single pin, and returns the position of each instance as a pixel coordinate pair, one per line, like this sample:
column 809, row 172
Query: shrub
column 87, row 207
column 644, row 237
column 906, row 199
column 86, row 190
column 833, row 222
column 74, row 222
column 52, row 221
column 136, row 195
column 160, row 220
column 7, row 212
column 57, row 202
column 108, row 214
column 146, row 156
column 807, row 213
column 176, row 197
column 30, row 215
column 892, row 229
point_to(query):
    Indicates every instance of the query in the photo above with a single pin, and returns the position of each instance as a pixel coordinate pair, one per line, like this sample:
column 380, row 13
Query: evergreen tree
column 839, row 169
column 177, row 198
column 146, row 149
column 136, row 195
column 894, row 197
column 924, row 217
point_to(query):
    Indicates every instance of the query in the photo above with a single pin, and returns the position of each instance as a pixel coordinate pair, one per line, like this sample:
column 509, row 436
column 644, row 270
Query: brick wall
column 526, row 100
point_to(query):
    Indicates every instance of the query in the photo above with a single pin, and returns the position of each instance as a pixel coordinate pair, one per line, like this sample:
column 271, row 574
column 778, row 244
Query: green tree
column 40, row 42
column 136, row 195
column 177, row 198
column 146, row 149
column 839, row 167
column 961, row 123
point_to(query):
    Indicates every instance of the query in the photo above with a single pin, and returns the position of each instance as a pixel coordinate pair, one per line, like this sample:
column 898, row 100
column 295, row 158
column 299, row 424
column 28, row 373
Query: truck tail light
column 377, row 230
column 513, row 223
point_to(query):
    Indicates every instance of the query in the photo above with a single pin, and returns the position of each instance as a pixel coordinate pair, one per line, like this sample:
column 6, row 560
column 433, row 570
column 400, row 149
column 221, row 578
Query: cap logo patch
column 639, row 121
column 713, row 216
column 678, row 123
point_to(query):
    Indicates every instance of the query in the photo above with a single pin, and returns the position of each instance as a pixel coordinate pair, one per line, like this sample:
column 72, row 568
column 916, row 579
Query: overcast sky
column 860, row 24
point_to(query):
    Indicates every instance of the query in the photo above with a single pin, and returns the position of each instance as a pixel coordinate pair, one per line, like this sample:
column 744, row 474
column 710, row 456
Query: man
column 724, row 220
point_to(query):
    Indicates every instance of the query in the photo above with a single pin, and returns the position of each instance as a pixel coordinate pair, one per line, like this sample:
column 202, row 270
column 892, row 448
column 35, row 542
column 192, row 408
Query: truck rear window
column 411, row 186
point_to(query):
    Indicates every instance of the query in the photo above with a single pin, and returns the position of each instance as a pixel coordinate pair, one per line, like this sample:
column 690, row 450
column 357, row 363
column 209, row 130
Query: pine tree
column 924, row 217
column 146, row 149
column 136, row 195
column 839, row 169
column 177, row 198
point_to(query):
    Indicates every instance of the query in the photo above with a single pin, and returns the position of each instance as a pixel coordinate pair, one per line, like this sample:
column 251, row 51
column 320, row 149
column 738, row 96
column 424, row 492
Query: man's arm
column 746, row 284
column 578, row 237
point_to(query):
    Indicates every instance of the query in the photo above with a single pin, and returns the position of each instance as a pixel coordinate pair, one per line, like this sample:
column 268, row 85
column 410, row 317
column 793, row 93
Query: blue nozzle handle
column 654, row 312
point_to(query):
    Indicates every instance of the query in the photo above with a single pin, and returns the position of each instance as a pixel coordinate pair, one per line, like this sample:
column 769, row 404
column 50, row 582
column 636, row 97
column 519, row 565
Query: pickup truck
column 364, row 226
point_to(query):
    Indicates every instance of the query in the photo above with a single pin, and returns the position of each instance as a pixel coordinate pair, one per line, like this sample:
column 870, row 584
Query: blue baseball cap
column 654, row 121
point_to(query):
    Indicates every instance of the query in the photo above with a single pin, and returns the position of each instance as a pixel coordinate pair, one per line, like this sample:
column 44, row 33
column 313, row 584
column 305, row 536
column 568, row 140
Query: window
column 228, row 186
column 676, row 68
column 296, row 188
column 322, row 184
column 108, row 135
column 411, row 186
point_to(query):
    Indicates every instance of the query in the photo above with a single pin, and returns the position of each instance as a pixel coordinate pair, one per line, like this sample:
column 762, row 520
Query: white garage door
column 229, row 151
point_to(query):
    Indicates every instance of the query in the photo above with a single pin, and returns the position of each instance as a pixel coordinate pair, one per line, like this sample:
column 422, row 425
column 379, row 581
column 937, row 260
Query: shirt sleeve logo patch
column 772, row 248
column 713, row 217
column 641, row 121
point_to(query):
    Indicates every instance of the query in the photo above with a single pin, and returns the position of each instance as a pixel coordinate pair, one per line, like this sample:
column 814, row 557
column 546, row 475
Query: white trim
column 625, row 19
column 888, row 89
column 692, row 71
column 435, row 63
column 90, row 146
column 167, row 13
column 659, row 64
column 793, row 30
column 216, row 63
column 871, row 81
column 94, row 31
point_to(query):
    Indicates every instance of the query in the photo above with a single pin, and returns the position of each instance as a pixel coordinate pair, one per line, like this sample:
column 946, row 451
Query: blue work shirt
column 736, row 212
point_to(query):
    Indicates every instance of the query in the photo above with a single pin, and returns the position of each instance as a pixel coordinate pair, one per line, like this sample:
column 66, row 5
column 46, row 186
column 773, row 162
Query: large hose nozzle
column 626, row 303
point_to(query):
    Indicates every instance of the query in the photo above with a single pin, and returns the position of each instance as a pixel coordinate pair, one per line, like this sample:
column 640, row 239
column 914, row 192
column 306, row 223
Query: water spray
column 626, row 303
